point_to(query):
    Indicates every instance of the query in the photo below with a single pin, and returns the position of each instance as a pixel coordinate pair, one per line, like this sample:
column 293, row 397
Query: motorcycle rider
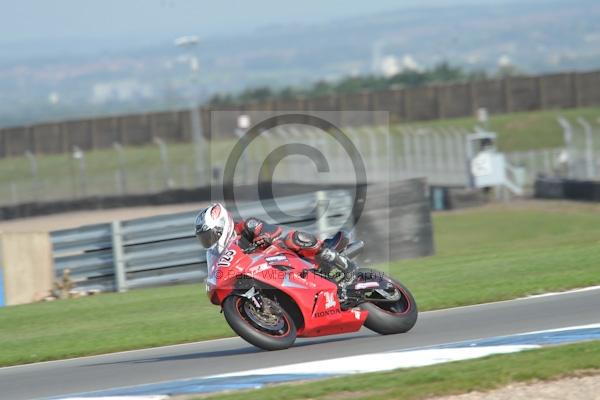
column 215, row 226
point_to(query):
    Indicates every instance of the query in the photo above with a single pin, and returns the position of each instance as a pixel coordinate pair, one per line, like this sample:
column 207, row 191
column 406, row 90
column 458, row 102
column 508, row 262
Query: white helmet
column 214, row 225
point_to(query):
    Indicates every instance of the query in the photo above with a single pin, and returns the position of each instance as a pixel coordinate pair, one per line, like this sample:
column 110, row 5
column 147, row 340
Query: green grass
column 60, row 176
column 445, row 379
column 494, row 253
column 525, row 130
column 483, row 255
column 107, row 323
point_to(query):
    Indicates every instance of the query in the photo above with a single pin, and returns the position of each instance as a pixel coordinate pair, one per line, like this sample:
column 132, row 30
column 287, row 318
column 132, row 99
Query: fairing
column 282, row 270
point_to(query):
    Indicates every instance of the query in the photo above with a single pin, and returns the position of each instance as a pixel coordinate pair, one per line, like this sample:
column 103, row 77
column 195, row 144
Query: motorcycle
column 270, row 296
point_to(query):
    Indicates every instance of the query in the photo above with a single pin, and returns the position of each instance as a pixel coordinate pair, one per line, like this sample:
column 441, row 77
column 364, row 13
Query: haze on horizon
column 41, row 28
column 66, row 59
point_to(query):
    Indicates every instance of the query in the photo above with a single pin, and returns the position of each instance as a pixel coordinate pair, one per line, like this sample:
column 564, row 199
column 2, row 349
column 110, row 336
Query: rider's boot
column 331, row 260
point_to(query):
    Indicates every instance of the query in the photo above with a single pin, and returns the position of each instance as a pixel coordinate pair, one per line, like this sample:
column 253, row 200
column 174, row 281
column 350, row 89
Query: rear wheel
column 269, row 327
column 398, row 314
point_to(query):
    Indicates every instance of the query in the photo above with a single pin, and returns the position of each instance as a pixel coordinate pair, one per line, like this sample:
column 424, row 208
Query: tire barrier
column 567, row 189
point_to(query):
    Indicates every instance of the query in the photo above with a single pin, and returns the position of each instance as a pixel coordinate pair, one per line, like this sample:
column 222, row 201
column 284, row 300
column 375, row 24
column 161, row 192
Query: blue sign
column 2, row 288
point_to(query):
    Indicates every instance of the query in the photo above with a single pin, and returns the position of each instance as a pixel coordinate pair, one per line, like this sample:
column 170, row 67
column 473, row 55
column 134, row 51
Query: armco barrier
column 163, row 250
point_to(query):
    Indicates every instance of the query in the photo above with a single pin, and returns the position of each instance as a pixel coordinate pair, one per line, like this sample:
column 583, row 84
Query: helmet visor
column 208, row 238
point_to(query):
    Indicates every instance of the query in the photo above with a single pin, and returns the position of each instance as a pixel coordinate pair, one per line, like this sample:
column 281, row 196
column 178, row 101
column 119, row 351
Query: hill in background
column 536, row 36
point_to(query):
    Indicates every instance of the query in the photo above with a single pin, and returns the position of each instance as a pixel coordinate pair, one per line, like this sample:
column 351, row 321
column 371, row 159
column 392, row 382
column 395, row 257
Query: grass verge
column 445, row 379
column 526, row 130
column 486, row 254
column 504, row 252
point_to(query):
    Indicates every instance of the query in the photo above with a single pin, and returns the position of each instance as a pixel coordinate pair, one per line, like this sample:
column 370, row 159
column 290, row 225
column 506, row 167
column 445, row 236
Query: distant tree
column 408, row 78
column 321, row 88
column 351, row 85
column 508, row 70
column 287, row 93
column 477, row 75
column 220, row 99
column 442, row 72
column 260, row 94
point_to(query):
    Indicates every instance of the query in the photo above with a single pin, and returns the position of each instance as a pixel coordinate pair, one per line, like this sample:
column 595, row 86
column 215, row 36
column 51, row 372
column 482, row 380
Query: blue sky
column 30, row 28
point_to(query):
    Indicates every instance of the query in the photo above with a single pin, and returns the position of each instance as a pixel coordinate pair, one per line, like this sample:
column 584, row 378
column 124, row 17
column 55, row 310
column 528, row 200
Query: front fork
column 253, row 295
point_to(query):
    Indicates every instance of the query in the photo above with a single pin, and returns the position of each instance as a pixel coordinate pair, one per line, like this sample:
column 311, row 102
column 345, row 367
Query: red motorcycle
column 271, row 296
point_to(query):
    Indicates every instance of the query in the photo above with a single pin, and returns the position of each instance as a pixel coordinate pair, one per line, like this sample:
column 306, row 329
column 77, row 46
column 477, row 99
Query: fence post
column 408, row 153
column 390, row 150
column 166, row 166
column 14, row 193
column 120, row 175
column 322, row 204
column 184, row 177
column 118, row 257
column 79, row 156
column 589, row 148
column 35, row 183
column 568, row 138
column 548, row 169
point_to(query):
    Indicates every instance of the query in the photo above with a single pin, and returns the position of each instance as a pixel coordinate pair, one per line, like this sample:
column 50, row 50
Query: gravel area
column 576, row 388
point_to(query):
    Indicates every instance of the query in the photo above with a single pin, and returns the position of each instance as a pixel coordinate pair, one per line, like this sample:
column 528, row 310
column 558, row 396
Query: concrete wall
column 587, row 89
column 564, row 90
column 490, row 95
column 98, row 133
column 26, row 266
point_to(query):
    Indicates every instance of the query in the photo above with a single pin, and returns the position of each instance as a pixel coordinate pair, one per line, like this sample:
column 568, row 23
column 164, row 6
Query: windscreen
column 212, row 257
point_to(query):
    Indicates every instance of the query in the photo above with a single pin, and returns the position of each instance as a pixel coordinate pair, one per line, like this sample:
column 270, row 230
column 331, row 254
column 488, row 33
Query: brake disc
column 264, row 318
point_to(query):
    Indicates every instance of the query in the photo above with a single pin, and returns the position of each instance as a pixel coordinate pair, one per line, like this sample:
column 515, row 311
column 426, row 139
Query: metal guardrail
column 163, row 250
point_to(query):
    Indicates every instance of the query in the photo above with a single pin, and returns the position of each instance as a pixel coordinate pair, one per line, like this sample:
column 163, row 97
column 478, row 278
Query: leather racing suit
column 306, row 245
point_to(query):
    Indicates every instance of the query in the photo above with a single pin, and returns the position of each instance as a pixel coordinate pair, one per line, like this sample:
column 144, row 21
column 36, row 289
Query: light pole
column 120, row 175
column 201, row 160
column 35, row 183
column 164, row 158
column 79, row 156
column 243, row 123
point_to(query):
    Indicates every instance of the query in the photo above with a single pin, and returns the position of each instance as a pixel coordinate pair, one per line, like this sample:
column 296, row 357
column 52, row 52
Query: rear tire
column 386, row 318
column 239, row 315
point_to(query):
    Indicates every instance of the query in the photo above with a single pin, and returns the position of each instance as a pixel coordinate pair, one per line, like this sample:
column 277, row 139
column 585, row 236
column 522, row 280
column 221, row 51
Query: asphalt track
column 232, row 355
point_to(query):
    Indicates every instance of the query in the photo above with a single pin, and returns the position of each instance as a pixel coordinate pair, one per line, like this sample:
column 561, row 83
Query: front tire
column 389, row 318
column 268, row 331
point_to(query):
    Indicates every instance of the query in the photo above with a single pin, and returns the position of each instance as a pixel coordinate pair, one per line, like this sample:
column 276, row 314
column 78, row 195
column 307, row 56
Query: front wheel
column 397, row 313
column 269, row 327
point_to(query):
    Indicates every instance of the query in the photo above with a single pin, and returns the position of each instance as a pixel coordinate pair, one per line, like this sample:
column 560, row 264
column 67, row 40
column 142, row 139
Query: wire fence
column 122, row 171
column 400, row 152
column 582, row 146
